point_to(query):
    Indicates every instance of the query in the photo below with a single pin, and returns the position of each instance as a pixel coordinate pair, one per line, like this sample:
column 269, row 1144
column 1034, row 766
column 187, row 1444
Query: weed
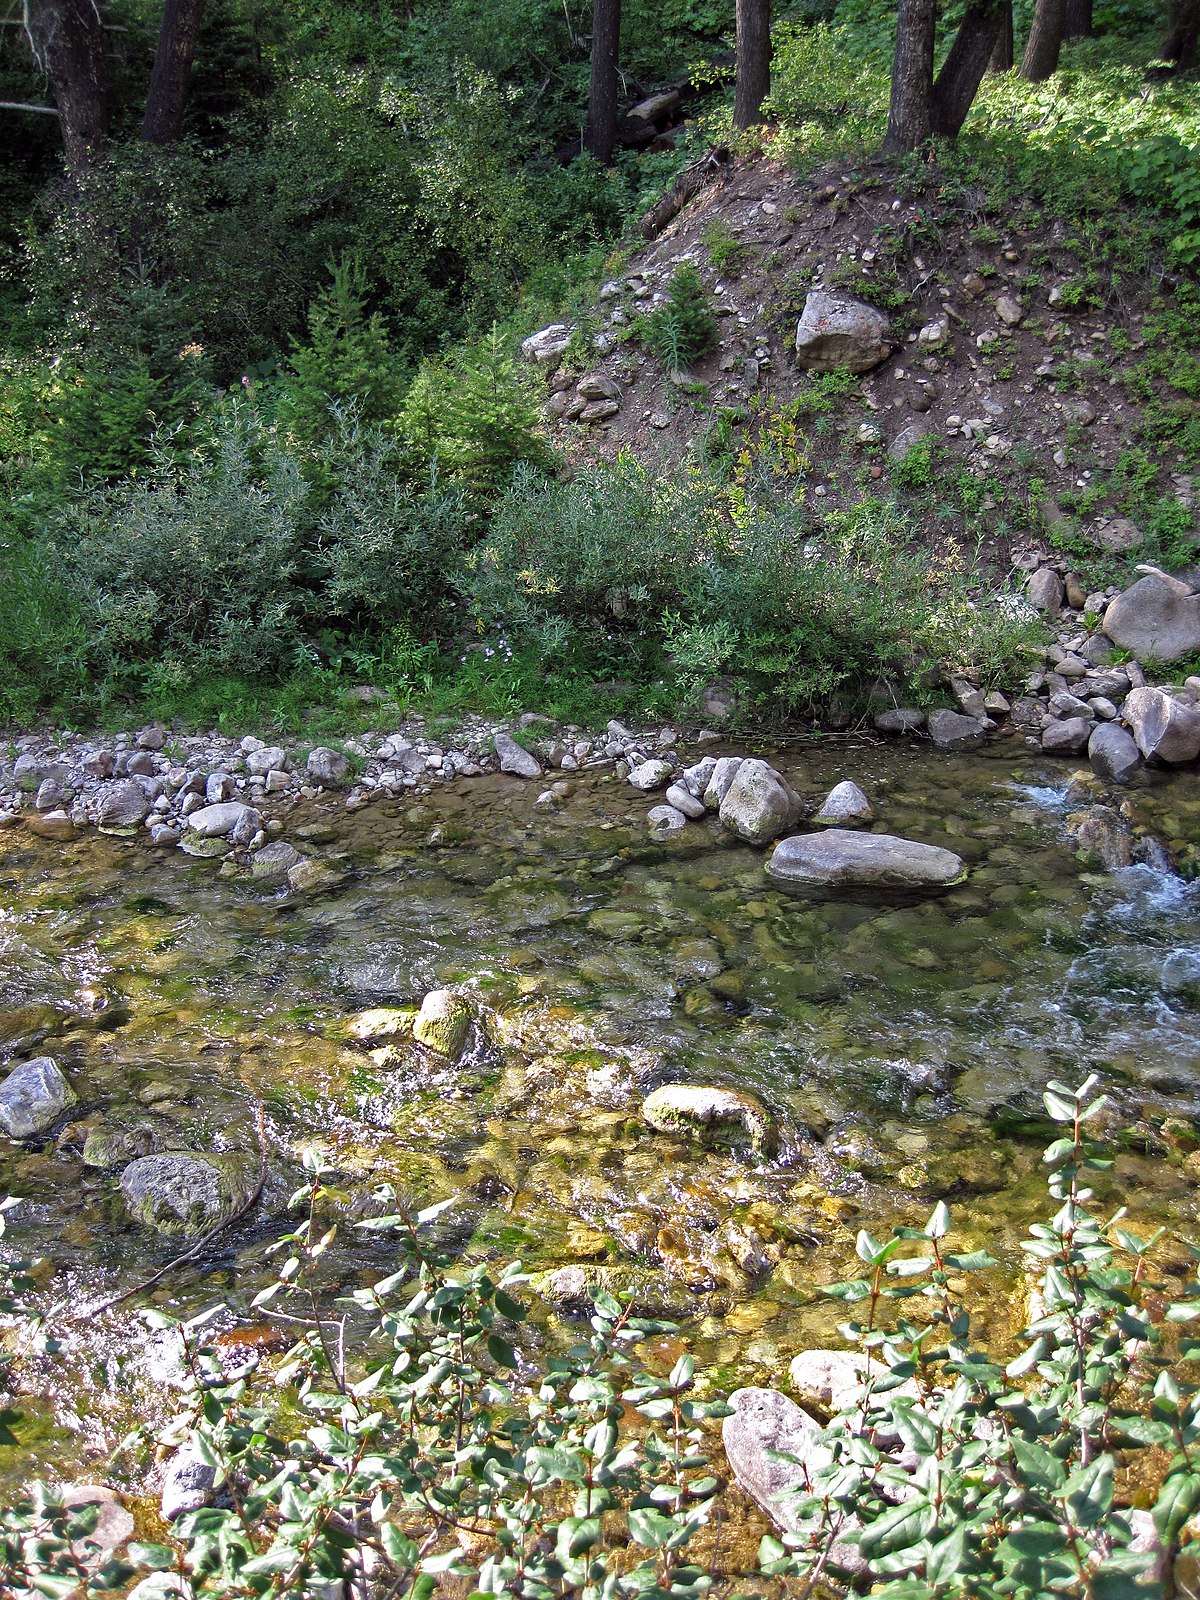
column 728, row 254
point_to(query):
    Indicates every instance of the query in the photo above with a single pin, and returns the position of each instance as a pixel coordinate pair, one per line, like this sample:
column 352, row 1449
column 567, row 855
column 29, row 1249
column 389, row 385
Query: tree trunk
column 167, row 96
column 600, row 133
column 963, row 69
column 1078, row 22
column 912, row 77
column 1044, row 45
column 68, row 42
column 753, row 61
column 1002, row 53
column 1183, row 33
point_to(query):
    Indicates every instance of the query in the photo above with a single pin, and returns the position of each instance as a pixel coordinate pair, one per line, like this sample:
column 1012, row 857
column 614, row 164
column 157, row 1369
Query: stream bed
column 899, row 1049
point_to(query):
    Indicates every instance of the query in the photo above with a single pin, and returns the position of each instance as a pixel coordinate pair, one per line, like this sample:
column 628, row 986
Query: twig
column 19, row 105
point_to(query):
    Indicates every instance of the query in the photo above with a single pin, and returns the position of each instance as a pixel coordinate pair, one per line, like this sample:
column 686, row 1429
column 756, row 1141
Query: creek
column 900, row 1049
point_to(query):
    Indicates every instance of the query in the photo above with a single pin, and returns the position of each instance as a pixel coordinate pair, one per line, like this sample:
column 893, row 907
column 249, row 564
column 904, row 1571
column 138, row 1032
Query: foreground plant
column 954, row 1475
column 450, row 1446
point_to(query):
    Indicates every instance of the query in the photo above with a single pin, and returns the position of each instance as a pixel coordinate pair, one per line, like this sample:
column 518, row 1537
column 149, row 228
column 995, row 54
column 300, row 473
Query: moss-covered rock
column 713, row 1114
column 443, row 1024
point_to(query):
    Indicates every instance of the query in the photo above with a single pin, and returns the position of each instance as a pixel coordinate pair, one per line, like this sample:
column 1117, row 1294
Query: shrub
column 794, row 615
column 683, row 328
column 1014, row 1467
column 45, row 641
column 386, row 546
column 571, row 564
column 194, row 566
column 448, row 1445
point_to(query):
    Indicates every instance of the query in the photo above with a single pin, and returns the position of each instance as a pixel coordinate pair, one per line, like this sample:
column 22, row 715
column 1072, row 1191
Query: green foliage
column 1014, row 1490
column 378, row 1466
column 414, row 1431
column 45, row 642
column 727, row 253
column 228, row 563
column 475, row 416
column 1166, row 172
column 683, row 328
column 570, row 569
column 346, row 360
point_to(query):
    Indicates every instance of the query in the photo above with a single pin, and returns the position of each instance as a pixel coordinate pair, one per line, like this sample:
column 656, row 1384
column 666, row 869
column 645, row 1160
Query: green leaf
column 650, row 1529
column 1089, row 1491
column 948, row 1557
column 154, row 1556
column 899, row 1528
column 501, row 1352
column 1177, row 1499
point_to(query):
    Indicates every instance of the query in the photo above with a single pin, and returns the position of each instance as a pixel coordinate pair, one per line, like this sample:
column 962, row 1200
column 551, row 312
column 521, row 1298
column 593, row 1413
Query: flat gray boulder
column 842, row 862
column 185, row 1192
column 187, row 1484
column 835, row 332
column 1155, row 620
column 950, row 730
column 32, row 1098
column 759, row 805
column 1162, row 726
column 1066, row 738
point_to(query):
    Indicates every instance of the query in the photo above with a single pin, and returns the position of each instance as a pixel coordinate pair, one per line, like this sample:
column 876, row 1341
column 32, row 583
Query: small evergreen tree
column 474, row 416
column 347, row 360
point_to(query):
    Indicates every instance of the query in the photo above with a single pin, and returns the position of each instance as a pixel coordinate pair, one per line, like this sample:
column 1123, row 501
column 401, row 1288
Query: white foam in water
column 1046, row 797
column 1150, row 894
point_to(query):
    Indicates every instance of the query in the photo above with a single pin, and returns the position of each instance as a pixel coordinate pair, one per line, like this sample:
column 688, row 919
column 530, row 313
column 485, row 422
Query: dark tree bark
column 67, row 37
column 600, row 133
column 1002, row 52
column 1183, row 34
column 912, row 77
column 962, row 71
column 1044, row 45
column 177, row 36
column 1078, row 21
column 753, row 61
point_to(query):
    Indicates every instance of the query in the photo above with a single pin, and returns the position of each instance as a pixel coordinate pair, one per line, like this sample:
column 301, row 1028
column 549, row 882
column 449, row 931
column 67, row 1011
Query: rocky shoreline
column 219, row 797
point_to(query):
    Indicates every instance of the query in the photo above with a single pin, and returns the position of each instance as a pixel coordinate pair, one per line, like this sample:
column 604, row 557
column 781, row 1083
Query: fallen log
column 688, row 184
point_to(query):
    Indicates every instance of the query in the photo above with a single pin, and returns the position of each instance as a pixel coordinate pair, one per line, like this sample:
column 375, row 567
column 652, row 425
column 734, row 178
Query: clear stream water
column 900, row 1049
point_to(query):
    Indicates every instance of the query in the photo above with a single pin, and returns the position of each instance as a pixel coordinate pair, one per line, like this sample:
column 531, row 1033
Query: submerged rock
column 765, row 1426
column 183, row 1191
column 845, row 802
column 706, row 1111
column 759, row 804
column 32, row 1098
column 1101, row 834
column 443, row 1023
column 840, row 861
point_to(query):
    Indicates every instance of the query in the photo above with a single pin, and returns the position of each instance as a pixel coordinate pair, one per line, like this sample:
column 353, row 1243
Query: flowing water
column 901, row 1049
